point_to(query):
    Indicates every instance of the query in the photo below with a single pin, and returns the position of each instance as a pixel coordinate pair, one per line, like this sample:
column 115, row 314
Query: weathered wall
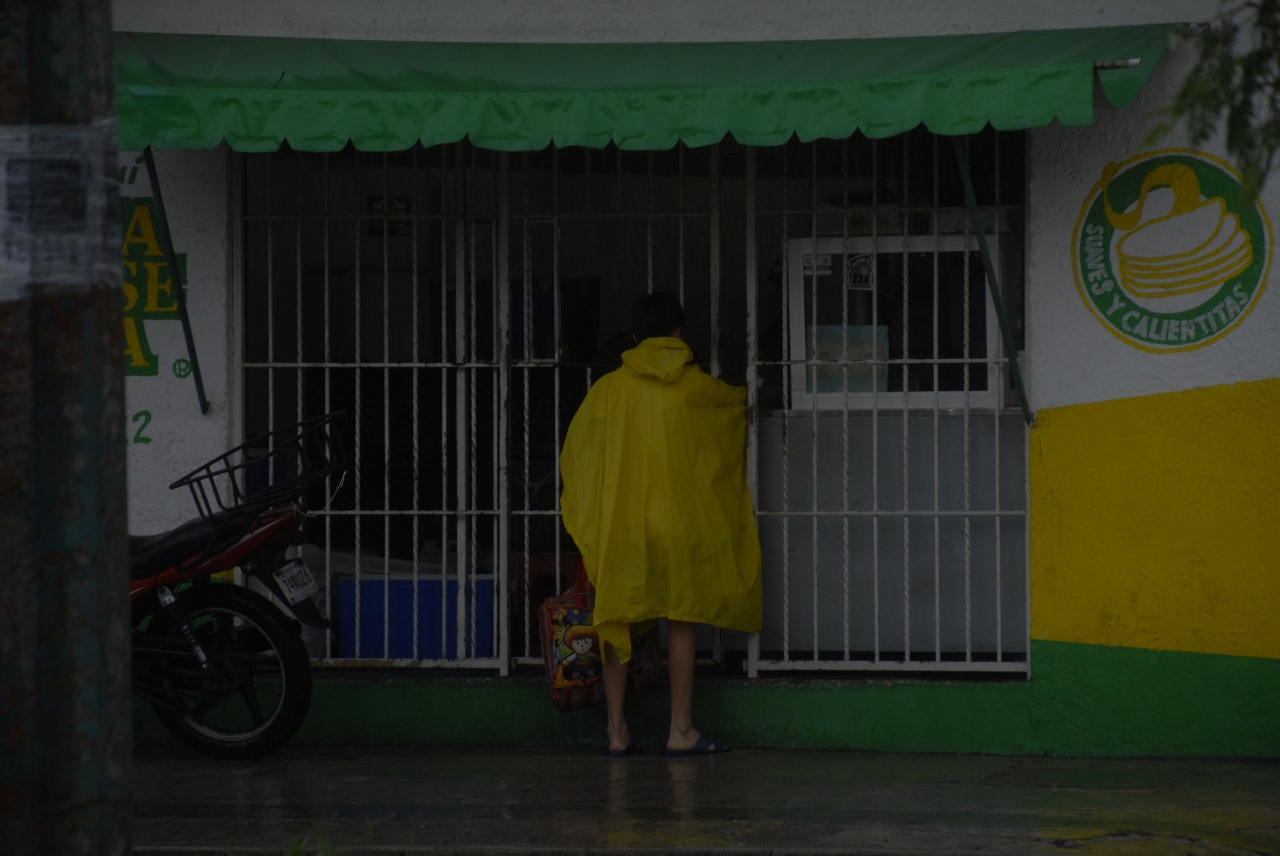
column 166, row 433
column 1153, row 471
column 1078, row 357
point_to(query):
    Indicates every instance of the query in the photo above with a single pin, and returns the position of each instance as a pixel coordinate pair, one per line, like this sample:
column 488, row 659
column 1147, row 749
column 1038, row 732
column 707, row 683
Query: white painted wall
column 630, row 21
column 167, row 435
column 1073, row 358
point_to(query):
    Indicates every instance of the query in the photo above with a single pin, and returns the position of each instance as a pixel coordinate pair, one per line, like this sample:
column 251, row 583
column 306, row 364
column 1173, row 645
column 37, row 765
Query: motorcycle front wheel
column 252, row 692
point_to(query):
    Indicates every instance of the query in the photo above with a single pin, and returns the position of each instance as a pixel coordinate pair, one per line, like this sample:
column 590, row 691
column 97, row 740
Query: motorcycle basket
column 275, row 468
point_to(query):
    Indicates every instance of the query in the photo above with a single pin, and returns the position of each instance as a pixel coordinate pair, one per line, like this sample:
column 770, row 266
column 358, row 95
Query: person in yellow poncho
column 656, row 498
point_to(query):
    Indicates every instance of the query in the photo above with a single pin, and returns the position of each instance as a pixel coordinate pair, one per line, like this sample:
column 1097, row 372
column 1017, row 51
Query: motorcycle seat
column 193, row 540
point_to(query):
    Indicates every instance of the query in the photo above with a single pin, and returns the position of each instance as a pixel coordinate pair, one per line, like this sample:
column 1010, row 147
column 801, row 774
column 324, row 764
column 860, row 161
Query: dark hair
column 657, row 314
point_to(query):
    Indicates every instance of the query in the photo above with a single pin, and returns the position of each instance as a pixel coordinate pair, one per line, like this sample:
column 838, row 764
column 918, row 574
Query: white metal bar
column 751, row 266
column 906, row 432
column 330, row 580
column 845, row 556
column 237, row 167
column 1025, row 629
column 297, row 291
column 271, row 291
column 502, row 349
column 949, row 404
column 815, row 559
column 414, row 349
column 557, row 359
column 467, row 280
column 996, row 383
column 786, row 433
column 875, row 401
column 467, row 546
column 836, row 513
column 526, row 358
column 648, row 228
column 356, row 224
column 386, row 415
column 891, row 513
column 450, row 206
column 400, row 664
column 968, row 473
column 298, row 305
column 937, row 424
column 453, row 446
column 946, row 666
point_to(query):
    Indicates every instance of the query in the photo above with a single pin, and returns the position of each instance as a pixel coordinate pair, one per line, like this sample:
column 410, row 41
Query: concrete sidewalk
column 393, row 799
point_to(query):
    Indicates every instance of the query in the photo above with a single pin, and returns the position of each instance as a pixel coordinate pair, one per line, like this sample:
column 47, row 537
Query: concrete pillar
column 65, row 709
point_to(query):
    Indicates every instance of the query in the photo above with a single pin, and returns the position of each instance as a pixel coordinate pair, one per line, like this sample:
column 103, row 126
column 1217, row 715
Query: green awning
column 192, row 92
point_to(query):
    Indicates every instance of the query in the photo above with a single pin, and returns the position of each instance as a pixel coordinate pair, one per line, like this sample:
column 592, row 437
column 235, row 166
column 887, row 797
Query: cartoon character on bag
column 584, row 663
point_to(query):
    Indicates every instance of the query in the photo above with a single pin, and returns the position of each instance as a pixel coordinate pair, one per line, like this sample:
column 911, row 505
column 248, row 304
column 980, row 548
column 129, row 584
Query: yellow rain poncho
column 656, row 497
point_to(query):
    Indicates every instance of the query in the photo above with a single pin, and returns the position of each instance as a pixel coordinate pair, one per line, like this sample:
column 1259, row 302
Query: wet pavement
column 394, row 799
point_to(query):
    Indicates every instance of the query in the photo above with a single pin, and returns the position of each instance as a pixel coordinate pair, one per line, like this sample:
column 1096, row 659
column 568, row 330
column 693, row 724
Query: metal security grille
column 460, row 302
column 365, row 282
column 891, row 463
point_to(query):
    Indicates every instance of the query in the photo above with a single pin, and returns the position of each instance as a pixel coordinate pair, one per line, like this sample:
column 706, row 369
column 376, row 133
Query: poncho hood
column 662, row 358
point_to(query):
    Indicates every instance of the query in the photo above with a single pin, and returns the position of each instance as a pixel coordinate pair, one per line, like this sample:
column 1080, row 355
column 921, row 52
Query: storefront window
column 872, row 316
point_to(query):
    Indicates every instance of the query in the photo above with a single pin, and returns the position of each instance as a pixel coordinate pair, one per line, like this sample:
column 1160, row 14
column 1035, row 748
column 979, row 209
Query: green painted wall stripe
column 1099, row 700
column 1082, row 700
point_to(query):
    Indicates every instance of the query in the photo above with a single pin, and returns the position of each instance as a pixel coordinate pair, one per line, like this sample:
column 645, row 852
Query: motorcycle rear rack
column 271, row 469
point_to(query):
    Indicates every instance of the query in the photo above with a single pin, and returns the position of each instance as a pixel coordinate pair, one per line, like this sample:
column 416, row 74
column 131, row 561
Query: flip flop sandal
column 632, row 749
column 704, row 746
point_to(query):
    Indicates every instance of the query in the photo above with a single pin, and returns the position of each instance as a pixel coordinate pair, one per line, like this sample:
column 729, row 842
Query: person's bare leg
column 615, row 694
column 682, row 645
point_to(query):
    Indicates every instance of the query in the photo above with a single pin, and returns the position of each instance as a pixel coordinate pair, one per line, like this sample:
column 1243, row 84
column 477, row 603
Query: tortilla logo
column 1163, row 253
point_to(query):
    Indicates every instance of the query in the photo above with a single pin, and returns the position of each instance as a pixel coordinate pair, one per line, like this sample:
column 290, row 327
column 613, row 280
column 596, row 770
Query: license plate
column 296, row 581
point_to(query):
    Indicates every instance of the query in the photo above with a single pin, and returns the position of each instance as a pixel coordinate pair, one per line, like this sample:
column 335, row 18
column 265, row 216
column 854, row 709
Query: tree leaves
column 1234, row 88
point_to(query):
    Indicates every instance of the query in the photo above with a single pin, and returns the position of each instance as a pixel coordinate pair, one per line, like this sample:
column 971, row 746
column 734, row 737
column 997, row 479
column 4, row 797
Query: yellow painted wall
column 1155, row 521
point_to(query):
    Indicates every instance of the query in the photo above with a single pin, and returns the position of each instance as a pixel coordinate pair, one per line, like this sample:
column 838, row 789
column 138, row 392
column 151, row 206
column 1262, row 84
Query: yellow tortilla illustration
column 1198, row 244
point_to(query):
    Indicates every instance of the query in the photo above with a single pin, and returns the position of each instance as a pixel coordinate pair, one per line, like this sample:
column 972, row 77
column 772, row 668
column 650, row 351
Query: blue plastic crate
column 399, row 614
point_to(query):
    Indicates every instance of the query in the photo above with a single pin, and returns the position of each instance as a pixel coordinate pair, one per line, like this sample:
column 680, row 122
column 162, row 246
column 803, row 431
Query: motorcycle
column 221, row 663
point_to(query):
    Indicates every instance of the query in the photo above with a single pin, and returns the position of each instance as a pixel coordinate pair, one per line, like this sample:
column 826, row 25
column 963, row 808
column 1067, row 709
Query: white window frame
column 800, row 249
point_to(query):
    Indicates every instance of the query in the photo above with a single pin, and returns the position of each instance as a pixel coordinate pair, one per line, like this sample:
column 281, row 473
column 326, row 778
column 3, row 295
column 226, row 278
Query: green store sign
column 148, row 284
